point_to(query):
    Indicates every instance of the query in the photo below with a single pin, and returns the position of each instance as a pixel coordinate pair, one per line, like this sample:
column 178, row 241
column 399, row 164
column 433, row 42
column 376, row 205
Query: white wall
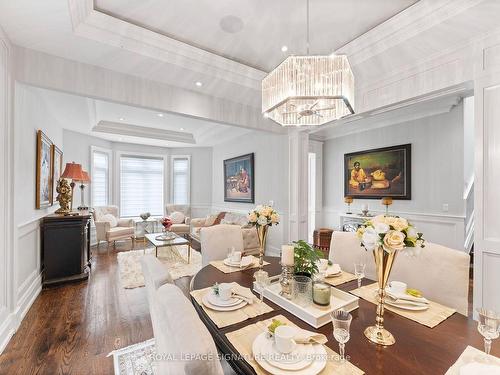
column 271, row 178
column 437, row 174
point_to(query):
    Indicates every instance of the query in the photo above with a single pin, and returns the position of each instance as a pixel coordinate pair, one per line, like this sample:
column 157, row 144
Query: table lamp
column 83, row 181
column 387, row 201
column 72, row 172
column 348, row 200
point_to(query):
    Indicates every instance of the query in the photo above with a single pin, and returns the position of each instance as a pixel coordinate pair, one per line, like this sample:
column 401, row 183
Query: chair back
column 184, row 208
column 217, row 239
column 155, row 274
column 180, row 334
column 441, row 273
column 100, row 211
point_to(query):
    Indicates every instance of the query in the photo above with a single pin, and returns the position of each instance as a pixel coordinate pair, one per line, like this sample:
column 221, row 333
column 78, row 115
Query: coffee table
column 175, row 241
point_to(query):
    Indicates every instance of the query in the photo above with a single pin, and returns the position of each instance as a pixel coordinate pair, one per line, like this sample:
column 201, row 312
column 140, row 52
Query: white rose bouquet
column 262, row 216
column 392, row 233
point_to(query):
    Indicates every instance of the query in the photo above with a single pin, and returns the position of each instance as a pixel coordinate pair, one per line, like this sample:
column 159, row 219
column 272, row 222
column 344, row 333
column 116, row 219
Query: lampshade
column 73, row 171
column 85, row 177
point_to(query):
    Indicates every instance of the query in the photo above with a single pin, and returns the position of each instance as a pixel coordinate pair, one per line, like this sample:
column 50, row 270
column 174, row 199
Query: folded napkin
column 475, row 368
column 406, row 297
column 242, row 293
column 332, row 270
column 246, row 261
column 307, row 337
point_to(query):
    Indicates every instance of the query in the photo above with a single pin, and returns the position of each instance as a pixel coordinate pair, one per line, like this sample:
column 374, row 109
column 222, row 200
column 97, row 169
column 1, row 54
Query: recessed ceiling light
column 284, row 49
column 231, row 24
column 198, row 83
column 121, row 119
column 160, row 114
column 181, row 129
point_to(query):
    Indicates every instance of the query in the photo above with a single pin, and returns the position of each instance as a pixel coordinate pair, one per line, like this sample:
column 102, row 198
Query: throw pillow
column 210, row 220
column 110, row 219
column 177, row 217
column 220, row 216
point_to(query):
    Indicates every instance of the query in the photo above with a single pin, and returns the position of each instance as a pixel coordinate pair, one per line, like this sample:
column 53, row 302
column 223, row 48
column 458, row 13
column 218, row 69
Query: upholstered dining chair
column 180, row 214
column 109, row 227
column 155, row 274
column 216, row 240
column 179, row 333
column 441, row 273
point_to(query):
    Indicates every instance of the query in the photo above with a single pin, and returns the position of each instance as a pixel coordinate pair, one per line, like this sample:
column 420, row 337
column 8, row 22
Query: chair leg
column 109, row 244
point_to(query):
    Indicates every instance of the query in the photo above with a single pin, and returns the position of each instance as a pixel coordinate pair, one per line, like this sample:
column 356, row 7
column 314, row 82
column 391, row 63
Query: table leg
column 156, row 251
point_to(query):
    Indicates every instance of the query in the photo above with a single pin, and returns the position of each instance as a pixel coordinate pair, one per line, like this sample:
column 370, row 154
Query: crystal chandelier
column 308, row 90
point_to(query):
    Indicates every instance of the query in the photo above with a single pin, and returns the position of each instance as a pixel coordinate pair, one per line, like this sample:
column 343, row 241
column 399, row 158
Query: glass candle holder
column 322, row 293
column 302, row 290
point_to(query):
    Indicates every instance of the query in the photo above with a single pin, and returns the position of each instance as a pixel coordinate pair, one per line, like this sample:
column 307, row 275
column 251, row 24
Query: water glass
column 230, row 252
column 341, row 321
column 359, row 272
column 488, row 326
column 302, row 290
column 262, row 281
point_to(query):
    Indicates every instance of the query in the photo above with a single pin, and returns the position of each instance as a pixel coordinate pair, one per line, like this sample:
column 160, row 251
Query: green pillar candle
column 321, row 293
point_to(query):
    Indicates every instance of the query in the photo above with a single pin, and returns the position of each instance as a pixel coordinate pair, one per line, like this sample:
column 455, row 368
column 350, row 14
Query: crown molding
column 405, row 25
column 120, row 128
column 104, row 28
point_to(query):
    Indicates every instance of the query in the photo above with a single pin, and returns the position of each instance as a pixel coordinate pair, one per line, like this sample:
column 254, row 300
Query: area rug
column 130, row 270
column 135, row 359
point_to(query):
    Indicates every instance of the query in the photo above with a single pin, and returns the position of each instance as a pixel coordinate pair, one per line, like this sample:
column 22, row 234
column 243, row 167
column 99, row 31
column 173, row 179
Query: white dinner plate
column 300, row 358
column 403, row 306
column 207, row 304
column 333, row 271
column 215, row 300
column 319, row 356
column 230, row 263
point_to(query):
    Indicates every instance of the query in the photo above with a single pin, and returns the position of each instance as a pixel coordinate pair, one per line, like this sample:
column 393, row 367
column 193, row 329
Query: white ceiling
column 81, row 114
column 266, row 25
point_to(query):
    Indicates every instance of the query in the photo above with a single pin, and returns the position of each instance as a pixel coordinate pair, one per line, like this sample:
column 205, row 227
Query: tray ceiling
column 253, row 32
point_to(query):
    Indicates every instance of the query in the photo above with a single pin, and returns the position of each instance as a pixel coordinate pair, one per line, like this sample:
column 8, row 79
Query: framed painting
column 378, row 173
column 43, row 170
column 239, row 183
column 57, row 163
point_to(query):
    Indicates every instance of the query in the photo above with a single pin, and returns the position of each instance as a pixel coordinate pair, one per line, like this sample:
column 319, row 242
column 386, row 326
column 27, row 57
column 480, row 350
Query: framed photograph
column 378, row 173
column 43, row 170
column 239, row 181
column 57, row 165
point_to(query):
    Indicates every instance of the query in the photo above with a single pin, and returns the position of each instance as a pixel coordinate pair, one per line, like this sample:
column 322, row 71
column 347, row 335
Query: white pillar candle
column 287, row 254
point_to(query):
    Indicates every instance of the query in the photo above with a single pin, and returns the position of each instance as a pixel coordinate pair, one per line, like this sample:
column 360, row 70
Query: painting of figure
column 43, row 171
column 383, row 172
column 239, row 179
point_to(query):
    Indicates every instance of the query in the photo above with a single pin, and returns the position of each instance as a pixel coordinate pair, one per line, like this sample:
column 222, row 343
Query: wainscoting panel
column 445, row 230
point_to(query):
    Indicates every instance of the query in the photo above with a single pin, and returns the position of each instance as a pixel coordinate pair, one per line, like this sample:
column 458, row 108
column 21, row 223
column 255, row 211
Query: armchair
column 180, row 224
column 109, row 227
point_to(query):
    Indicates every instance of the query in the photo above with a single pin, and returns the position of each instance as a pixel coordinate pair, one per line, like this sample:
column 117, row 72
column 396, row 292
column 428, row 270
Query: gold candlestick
column 286, row 281
column 348, row 200
column 383, row 262
column 387, row 201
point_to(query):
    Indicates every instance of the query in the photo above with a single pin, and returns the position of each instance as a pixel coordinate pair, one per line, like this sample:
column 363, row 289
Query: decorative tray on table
column 314, row 315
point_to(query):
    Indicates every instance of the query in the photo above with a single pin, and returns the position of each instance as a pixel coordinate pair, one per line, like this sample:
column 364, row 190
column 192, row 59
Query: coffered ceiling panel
column 253, row 31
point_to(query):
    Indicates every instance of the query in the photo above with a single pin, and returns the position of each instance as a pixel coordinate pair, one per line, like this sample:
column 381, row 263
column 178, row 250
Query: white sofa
column 250, row 237
column 441, row 273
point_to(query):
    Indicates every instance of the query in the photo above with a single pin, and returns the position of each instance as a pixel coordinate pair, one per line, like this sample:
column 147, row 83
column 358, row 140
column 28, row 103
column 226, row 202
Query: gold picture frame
column 44, row 163
column 57, row 169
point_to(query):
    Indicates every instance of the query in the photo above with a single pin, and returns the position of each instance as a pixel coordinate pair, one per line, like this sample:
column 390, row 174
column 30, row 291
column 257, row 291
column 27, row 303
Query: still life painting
column 239, row 179
column 43, row 170
column 377, row 173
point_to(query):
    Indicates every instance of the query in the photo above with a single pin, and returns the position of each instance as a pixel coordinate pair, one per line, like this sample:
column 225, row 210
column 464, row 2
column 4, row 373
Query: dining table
column 418, row 349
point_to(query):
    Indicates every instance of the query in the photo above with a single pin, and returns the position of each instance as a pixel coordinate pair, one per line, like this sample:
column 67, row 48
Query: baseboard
column 7, row 330
column 26, row 300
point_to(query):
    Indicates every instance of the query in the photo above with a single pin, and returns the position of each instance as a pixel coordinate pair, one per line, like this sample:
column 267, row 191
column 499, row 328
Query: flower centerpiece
column 262, row 218
column 386, row 236
column 167, row 223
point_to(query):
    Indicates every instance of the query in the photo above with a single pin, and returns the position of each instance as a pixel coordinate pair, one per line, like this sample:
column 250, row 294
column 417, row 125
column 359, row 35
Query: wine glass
column 262, row 281
column 488, row 326
column 359, row 272
column 341, row 321
column 230, row 252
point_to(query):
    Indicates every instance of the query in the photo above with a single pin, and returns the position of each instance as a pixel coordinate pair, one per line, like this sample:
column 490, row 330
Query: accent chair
column 109, row 226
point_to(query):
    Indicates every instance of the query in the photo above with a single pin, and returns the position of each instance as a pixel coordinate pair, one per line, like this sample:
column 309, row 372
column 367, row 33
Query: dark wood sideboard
column 65, row 248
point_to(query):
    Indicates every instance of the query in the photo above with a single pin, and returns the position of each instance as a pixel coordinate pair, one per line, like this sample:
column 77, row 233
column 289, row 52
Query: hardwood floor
column 71, row 329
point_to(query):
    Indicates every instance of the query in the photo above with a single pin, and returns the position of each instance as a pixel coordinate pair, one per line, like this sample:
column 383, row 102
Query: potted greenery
column 306, row 258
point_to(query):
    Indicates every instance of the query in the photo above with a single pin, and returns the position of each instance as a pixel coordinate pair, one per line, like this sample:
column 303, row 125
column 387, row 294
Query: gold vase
column 262, row 234
column 383, row 263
